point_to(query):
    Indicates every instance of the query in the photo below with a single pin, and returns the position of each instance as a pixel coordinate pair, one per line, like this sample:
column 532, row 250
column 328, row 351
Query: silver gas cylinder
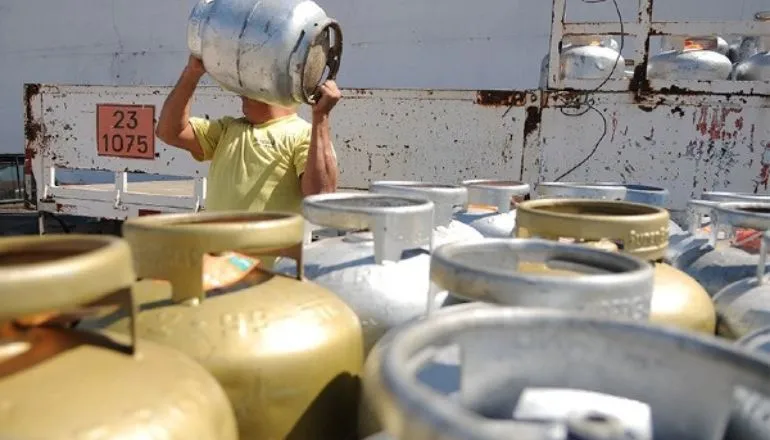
column 547, row 374
column 448, row 200
column 524, row 273
column 694, row 58
column 543, row 273
column 492, row 206
column 381, row 267
column 743, row 49
column 591, row 57
column 712, row 261
column 274, row 51
column 648, row 195
column 757, row 66
column 744, row 306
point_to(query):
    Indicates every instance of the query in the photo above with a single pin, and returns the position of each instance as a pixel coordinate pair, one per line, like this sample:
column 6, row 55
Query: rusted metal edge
column 34, row 133
column 647, row 102
column 33, row 128
column 530, row 99
column 506, row 98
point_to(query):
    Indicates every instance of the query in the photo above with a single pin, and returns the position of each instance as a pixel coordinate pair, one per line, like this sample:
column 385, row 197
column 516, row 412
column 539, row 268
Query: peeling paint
column 532, row 122
column 685, row 143
column 32, row 126
column 501, row 98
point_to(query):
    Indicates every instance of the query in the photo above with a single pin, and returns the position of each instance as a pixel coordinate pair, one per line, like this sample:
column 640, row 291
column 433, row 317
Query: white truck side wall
column 686, row 143
column 428, row 44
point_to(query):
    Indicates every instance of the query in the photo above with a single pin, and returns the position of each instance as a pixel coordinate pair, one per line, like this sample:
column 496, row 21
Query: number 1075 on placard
column 125, row 130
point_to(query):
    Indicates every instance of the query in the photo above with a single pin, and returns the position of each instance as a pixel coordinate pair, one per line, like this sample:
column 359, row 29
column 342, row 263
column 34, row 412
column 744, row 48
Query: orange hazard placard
column 125, row 130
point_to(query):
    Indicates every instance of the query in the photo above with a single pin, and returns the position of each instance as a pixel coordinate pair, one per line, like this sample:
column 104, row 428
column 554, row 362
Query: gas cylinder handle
column 502, row 349
column 751, row 215
column 195, row 21
column 649, row 195
column 489, row 270
column 696, row 209
column 638, row 193
column 171, row 246
column 575, row 190
column 397, row 223
column 62, row 273
column 642, row 229
column 725, row 196
column 333, row 57
column 447, row 199
column 499, row 193
column 709, row 201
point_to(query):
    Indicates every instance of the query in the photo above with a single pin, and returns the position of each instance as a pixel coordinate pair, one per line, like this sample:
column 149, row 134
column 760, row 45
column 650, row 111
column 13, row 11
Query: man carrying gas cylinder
column 266, row 160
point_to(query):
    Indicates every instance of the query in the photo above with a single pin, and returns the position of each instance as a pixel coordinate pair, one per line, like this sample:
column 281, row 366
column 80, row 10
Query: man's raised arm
column 173, row 125
column 321, row 172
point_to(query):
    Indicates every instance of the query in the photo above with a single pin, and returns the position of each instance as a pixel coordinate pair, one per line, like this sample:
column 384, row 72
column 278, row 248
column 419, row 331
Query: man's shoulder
column 223, row 122
column 299, row 123
column 295, row 130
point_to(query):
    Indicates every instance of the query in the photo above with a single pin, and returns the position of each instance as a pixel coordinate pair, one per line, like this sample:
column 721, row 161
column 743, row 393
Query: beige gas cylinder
column 287, row 352
column 64, row 383
column 640, row 230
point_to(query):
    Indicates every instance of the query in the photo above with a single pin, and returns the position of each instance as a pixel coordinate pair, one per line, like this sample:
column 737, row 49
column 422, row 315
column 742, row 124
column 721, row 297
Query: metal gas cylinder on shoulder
column 744, row 306
column 274, row 51
column 648, row 195
column 755, row 67
column 448, row 200
column 636, row 229
column 58, row 382
column 517, row 272
column 713, row 260
column 380, row 268
column 261, row 338
column 554, row 375
column 691, row 58
column 587, row 57
column 492, row 206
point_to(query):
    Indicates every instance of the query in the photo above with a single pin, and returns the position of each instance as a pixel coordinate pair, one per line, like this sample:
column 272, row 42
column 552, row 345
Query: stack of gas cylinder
column 480, row 310
column 704, row 58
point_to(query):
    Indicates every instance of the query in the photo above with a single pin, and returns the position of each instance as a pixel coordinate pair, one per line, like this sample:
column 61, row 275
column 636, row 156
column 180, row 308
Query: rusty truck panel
column 687, row 143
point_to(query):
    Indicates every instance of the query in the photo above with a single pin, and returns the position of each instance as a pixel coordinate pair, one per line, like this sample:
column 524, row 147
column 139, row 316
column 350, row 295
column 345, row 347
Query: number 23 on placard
column 126, row 131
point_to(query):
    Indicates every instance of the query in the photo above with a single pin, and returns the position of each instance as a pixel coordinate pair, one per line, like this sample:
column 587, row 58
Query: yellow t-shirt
column 254, row 167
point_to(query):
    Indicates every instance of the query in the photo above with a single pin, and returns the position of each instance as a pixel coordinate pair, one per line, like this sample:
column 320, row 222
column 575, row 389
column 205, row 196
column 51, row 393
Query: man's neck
column 258, row 115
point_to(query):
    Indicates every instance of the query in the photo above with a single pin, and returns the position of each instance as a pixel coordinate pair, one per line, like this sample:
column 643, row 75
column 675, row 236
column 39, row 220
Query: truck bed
column 153, row 187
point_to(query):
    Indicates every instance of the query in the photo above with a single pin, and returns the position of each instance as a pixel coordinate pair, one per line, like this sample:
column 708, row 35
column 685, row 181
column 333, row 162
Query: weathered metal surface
column 444, row 136
column 686, row 144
